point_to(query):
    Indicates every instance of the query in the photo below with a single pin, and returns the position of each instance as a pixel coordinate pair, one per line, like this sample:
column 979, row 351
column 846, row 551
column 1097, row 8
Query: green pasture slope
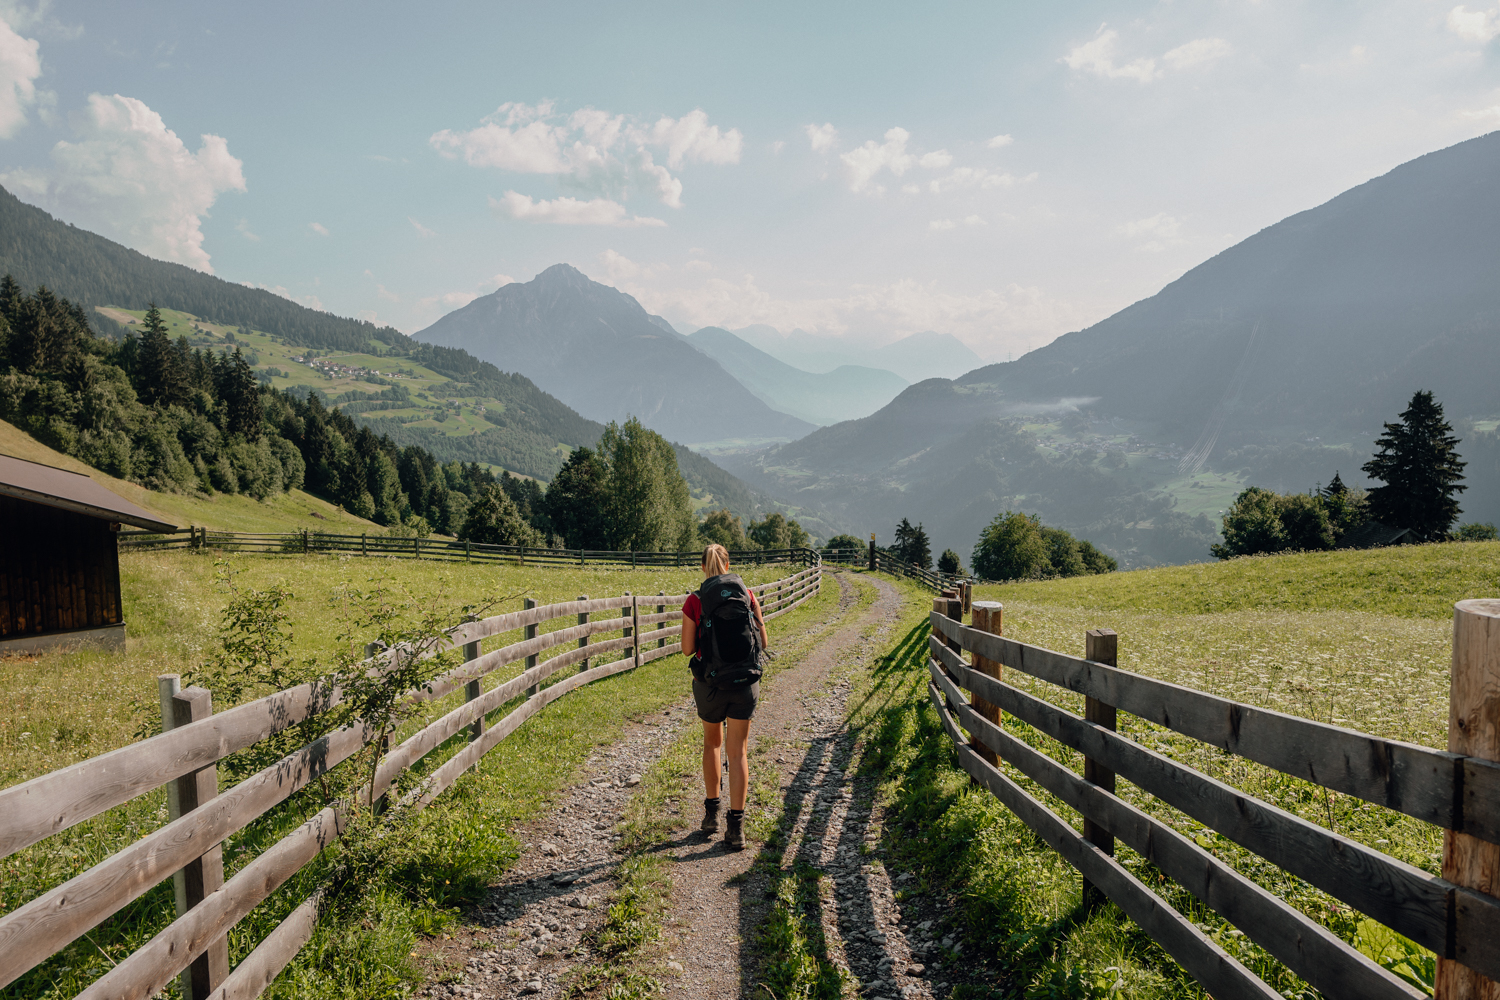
column 61, row 708
column 1359, row 639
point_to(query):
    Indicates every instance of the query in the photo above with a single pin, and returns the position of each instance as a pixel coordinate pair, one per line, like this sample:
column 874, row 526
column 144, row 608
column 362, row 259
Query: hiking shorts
column 718, row 704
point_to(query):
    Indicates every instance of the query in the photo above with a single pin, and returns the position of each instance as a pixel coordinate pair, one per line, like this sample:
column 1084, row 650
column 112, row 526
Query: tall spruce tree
column 1420, row 469
column 159, row 379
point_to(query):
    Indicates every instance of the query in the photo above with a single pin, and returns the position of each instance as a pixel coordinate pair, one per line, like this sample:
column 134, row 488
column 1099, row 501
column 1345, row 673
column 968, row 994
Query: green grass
column 1360, row 639
column 60, row 708
column 1408, row 581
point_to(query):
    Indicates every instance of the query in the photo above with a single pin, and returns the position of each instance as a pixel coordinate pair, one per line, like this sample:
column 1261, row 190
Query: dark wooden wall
column 59, row 571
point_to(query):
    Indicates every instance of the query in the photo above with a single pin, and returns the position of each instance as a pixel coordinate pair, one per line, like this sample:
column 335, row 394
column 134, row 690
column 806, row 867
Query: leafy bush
column 1260, row 521
column 1475, row 533
column 1017, row 546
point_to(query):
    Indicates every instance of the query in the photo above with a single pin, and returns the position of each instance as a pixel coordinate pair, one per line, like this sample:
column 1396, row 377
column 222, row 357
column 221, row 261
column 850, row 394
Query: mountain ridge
column 597, row 349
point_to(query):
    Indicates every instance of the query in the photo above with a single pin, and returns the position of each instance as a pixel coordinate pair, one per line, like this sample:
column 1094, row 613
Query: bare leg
column 713, row 738
column 739, row 764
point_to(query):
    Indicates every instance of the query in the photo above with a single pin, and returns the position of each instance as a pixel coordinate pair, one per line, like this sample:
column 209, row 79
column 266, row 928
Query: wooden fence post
column 629, row 612
column 874, row 561
column 364, row 544
column 661, row 609
column 986, row 616
column 1473, row 730
column 532, row 659
column 304, row 541
column 1102, row 646
column 472, row 690
column 966, row 589
column 379, row 805
column 466, row 550
column 203, row 876
column 583, row 619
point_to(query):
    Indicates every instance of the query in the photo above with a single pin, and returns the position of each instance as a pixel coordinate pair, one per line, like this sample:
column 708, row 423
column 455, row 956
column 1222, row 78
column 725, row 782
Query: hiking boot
column 710, row 824
column 734, row 829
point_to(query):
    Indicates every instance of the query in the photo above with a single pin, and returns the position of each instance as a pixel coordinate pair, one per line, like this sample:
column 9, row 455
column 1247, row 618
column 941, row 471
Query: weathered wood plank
column 1415, row 780
column 53, row 802
column 1396, row 894
column 1306, row 947
column 261, row 967
column 1215, row 968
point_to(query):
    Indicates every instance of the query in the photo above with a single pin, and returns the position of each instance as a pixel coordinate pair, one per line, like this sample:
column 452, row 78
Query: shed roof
column 55, row 487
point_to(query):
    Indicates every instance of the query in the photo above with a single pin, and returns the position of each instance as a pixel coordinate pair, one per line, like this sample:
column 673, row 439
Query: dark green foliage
column 776, row 531
column 722, row 528
column 575, row 500
column 1018, row 546
column 949, row 563
column 845, row 542
column 647, row 506
column 1421, row 470
column 1261, row 522
column 1476, row 533
column 494, row 520
column 912, row 545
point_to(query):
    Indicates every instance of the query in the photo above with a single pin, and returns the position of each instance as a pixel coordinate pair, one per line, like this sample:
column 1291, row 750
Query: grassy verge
column 668, row 797
column 1015, row 904
column 54, row 710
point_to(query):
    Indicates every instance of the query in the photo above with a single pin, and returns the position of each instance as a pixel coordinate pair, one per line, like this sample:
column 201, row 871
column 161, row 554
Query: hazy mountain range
column 1274, row 362
column 845, row 393
column 597, row 350
column 914, row 358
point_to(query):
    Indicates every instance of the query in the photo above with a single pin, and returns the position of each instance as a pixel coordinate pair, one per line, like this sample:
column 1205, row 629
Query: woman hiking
column 724, row 637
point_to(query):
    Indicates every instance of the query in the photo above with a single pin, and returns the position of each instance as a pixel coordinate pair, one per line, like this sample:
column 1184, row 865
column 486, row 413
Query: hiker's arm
column 689, row 635
column 760, row 622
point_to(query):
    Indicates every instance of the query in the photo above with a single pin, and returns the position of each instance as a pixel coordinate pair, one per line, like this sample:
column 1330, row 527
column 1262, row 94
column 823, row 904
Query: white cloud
column 1098, row 57
column 1474, row 25
column 822, row 137
column 940, row 225
column 422, row 230
column 132, row 179
column 993, row 317
column 976, row 177
column 318, row 228
column 593, row 151
column 698, row 265
column 569, row 211
column 691, row 137
column 1196, row 53
column 999, row 142
column 243, row 228
column 935, row 160
column 20, row 65
column 778, row 146
column 863, row 164
column 1165, row 231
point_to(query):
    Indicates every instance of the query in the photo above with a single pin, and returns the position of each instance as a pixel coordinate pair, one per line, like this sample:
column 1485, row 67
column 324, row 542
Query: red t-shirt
column 693, row 607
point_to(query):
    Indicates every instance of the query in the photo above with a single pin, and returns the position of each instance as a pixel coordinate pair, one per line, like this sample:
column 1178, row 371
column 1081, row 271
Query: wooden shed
column 59, row 564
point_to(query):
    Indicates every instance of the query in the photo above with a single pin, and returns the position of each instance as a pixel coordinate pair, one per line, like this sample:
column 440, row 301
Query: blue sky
column 1005, row 173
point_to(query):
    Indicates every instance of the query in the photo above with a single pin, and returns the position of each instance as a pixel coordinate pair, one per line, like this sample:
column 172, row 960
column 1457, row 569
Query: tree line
column 1421, row 474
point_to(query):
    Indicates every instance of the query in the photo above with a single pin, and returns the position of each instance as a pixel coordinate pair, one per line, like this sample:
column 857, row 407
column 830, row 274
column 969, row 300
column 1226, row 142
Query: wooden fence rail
column 308, row 541
column 1458, row 920
column 51, row 803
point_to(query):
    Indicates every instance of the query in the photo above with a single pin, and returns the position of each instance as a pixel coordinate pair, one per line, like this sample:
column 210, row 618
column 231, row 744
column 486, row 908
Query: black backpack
column 728, row 637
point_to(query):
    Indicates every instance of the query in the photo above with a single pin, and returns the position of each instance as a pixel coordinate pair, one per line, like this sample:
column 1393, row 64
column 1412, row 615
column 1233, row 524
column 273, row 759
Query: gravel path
column 532, row 929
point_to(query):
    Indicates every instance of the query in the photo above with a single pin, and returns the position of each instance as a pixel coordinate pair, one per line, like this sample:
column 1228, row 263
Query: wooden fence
column 1456, row 916
column 187, row 849
column 387, row 546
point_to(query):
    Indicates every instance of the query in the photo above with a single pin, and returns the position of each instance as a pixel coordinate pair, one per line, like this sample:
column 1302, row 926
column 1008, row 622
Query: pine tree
column 239, row 392
column 159, row 379
column 1335, row 488
column 1420, row 469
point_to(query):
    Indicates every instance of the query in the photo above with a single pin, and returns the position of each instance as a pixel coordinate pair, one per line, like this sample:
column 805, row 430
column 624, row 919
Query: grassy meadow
column 1358, row 639
column 60, row 708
